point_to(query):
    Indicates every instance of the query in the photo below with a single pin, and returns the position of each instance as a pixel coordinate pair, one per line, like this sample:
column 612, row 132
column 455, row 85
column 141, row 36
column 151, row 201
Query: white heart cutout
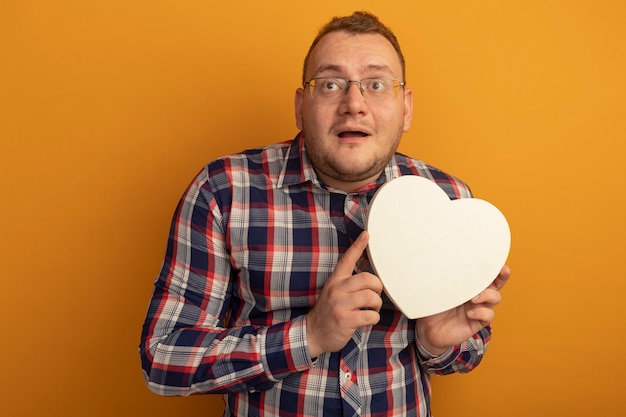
column 432, row 253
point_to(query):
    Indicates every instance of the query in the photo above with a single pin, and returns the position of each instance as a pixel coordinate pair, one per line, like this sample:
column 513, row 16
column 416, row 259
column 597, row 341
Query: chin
column 350, row 174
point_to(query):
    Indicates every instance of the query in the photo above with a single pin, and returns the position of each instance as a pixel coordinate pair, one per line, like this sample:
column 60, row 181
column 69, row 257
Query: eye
column 376, row 85
column 329, row 85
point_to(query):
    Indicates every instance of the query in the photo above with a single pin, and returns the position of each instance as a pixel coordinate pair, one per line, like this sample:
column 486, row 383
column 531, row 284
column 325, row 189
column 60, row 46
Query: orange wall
column 109, row 108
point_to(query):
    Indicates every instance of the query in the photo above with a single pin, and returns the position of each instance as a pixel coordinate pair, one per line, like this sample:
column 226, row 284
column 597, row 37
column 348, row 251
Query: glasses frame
column 396, row 87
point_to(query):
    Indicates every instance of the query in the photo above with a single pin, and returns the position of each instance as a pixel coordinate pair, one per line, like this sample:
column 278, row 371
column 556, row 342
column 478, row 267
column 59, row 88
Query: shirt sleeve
column 186, row 345
column 461, row 358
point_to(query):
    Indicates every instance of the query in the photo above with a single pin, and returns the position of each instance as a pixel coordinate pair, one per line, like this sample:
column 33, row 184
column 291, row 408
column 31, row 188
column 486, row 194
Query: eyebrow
column 366, row 69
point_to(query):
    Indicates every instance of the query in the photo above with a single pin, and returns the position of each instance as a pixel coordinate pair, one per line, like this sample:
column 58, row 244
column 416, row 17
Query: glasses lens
column 327, row 87
column 377, row 89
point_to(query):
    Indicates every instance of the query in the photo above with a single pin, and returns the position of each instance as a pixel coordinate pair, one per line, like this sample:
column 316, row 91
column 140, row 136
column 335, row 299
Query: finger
column 359, row 318
column 365, row 299
column 368, row 317
column 502, row 278
column 347, row 263
column 489, row 297
column 363, row 281
column 483, row 315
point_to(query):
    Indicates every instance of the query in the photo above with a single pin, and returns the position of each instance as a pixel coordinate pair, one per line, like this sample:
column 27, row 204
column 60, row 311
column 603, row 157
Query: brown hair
column 358, row 22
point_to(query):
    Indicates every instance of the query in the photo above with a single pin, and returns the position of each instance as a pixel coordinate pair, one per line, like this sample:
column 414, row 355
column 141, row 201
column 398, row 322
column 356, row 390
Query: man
column 266, row 294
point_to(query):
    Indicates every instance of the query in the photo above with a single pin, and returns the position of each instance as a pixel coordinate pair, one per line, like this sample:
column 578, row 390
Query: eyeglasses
column 331, row 88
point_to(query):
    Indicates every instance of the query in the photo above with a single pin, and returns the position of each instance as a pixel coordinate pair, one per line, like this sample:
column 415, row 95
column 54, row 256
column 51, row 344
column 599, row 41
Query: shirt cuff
column 440, row 360
column 286, row 350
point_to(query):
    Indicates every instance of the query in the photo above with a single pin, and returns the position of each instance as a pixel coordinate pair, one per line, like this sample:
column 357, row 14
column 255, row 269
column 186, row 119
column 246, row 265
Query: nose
column 350, row 82
column 353, row 101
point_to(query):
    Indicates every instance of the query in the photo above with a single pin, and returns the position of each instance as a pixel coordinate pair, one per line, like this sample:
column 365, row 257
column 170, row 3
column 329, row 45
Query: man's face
column 350, row 139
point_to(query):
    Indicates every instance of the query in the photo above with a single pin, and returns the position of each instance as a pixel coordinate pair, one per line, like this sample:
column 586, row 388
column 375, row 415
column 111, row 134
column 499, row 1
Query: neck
column 345, row 186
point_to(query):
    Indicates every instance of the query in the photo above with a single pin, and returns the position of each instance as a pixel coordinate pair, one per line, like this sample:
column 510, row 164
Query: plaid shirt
column 252, row 242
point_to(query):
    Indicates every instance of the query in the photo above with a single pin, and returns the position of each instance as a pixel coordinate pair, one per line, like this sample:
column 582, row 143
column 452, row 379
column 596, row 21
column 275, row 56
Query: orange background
column 108, row 108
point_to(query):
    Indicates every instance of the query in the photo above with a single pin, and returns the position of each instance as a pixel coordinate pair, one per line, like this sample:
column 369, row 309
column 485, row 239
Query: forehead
column 353, row 55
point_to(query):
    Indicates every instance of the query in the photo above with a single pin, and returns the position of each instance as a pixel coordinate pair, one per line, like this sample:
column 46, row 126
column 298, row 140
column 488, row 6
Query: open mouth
column 352, row 134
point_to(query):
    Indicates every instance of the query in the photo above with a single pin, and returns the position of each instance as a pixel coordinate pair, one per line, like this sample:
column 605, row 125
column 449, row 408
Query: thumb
column 345, row 266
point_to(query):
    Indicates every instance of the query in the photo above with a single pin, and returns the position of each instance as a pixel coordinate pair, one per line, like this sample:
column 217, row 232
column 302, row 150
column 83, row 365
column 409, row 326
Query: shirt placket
column 355, row 214
column 355, row 207
column 348, row 386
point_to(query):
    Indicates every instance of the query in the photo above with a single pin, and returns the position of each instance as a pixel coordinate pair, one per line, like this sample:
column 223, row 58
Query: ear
column 408, row 109
column 298, row 107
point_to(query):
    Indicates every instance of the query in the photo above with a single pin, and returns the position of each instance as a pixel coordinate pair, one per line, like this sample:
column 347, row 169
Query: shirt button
column 347, row 376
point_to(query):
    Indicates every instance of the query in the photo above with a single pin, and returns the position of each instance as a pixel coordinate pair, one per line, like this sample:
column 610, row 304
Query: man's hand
column 346, row 303
column 441, row 331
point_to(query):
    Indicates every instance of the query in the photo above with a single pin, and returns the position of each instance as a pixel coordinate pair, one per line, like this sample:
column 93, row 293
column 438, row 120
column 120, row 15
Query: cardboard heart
column 432, row 253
